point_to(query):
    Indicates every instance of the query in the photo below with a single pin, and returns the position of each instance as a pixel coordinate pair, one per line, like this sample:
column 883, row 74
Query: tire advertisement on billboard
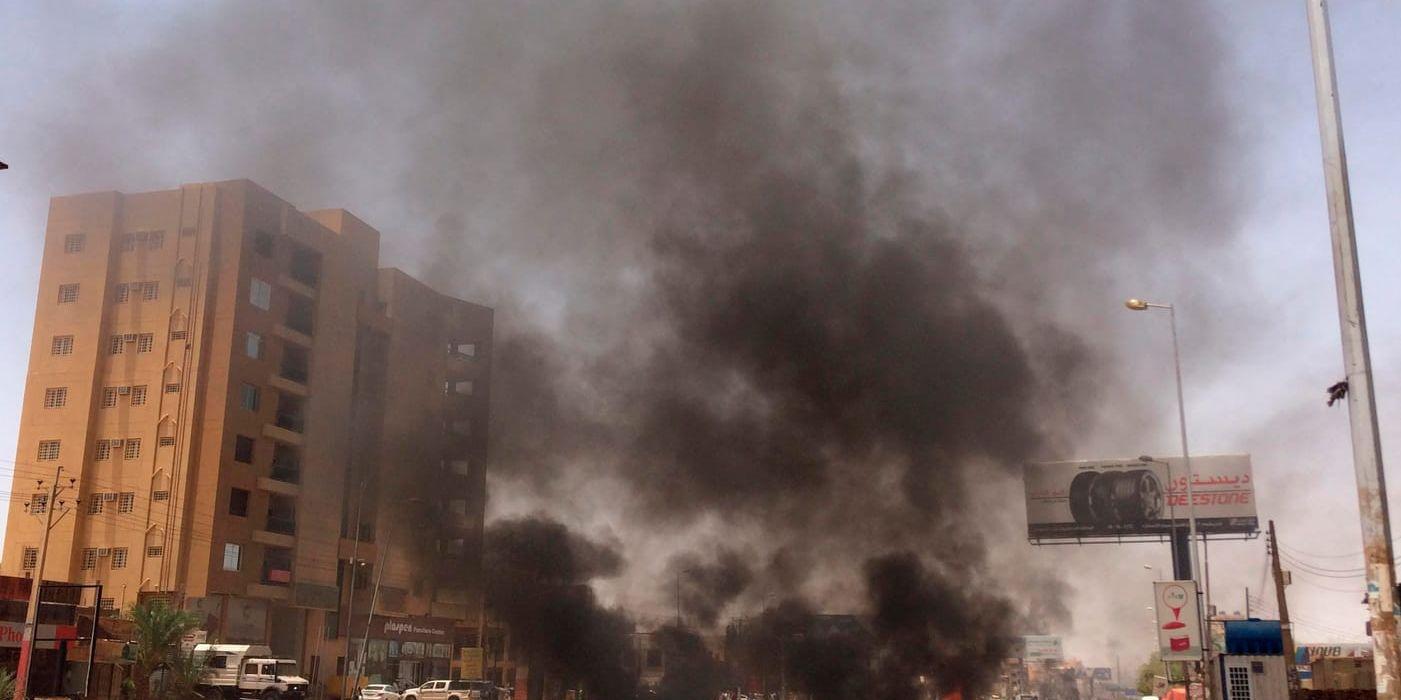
column 1129, row 497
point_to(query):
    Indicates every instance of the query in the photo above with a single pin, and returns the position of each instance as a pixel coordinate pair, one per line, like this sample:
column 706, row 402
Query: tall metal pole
column 369, row 618
column 1191, row 499
column 1286, row 627
column 1357, row 363
column 31, row 615
column 354, row 577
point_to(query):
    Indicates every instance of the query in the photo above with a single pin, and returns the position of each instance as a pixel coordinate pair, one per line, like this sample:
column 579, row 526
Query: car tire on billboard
column 1116, row 498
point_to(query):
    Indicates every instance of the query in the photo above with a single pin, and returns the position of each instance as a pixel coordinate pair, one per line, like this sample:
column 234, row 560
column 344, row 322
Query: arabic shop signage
column 411, row 629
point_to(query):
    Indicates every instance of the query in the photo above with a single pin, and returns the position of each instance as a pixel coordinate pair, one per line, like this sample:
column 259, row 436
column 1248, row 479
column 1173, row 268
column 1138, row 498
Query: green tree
column 160, row 671
column 7, row 683
column 1154, row 667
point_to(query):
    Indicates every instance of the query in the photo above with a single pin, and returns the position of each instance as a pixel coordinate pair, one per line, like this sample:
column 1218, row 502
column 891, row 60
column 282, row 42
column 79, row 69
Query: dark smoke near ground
column 801, row 280
column 538, row 576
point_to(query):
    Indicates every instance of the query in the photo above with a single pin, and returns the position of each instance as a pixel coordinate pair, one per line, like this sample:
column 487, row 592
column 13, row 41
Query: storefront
column 406, row 650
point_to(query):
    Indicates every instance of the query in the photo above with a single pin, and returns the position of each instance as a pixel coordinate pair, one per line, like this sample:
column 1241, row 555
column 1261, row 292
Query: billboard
column 1130, row 497
column 1040, row 647
column 1179, row 620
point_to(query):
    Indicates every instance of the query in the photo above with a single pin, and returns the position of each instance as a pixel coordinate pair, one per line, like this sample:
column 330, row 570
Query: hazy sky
column 66, row 127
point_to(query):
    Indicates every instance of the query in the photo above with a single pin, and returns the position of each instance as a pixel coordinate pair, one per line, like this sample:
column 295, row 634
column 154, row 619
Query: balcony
column 273, row 539
column 282, row 434
column 305, row 267
column 301, row 313
column 291, row 411
column 279, row 486
column 277, row 567
column 282, row 525
column 286, row 464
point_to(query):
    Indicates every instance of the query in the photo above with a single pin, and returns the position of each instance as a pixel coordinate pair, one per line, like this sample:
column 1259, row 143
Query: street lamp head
column 1136, row 305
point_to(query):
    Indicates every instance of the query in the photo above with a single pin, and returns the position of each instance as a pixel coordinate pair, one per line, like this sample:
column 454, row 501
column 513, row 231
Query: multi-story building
column 256, row 417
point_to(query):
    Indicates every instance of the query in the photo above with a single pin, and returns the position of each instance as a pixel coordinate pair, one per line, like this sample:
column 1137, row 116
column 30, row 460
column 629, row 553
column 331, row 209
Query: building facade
column 256, row 419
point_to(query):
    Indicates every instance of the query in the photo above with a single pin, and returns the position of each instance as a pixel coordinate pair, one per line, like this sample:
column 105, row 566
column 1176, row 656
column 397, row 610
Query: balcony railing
column 282, row 524
column 290, row 421
column 290, row 473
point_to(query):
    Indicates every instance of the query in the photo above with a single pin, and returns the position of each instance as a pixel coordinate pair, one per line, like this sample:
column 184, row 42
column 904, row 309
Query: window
column 115, row 345
column 167, row 441
column 145, row 342
column 156, row 551
column 172, row 388
column 253, row 345
column 127, row 242
column 1238, row 682
column 150, row 291
column 62, row 345
column 107, row 606
column 160, row 495
column 48, row 450
column 238, row 502
column 233, row 556
column 56, row 397
column 122, row 292
column 74, row 242
column 39, row 503
column 154, row 239
column 138, row 395
column 463, row 349
column 243, row 449
column 248, row 397
column 331, row 625
column 148, row 239
column 31, row 557
column 89, row 558
column 262, row 243
column 126, row 502
column 119, row 557
column 67, row 293
column 461, row 467
column 260, row 294
column 133, row 449
column 301, row 313
column 177, row 335
column 104, row 450
column 109, row 396
column 95, row 504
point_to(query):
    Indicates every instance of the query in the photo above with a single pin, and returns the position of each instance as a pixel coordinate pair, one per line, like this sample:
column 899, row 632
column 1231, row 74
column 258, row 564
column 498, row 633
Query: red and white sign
column 1179, row 620
column 12, row 633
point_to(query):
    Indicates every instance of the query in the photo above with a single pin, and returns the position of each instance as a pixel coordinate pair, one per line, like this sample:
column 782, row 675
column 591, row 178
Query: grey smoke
column 761, row 270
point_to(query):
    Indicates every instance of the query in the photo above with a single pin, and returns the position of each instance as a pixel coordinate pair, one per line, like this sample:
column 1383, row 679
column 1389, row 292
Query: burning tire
column 1115, row 499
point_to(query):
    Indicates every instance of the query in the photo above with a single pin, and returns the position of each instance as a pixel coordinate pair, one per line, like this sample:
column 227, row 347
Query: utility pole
column 354, row 574
column 1357, row 363
column 1292, row 669
column 369, row 619
column 31, row 615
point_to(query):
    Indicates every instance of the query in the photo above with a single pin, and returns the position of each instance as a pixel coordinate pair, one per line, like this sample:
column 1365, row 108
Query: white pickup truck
column 452, row 690
column 231, row 671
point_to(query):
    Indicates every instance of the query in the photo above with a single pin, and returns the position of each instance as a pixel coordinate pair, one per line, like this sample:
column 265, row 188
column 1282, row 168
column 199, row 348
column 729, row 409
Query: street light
column 1141, row 305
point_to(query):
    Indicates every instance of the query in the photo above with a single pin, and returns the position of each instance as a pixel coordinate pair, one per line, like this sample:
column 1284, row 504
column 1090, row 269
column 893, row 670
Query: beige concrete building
column 223, row 376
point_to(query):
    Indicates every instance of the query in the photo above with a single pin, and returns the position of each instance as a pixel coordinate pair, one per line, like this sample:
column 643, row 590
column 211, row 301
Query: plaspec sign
column 1179, row 620
column 1129, row 497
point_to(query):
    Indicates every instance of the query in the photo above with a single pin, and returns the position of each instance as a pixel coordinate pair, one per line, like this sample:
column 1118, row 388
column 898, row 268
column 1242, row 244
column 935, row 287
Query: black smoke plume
column 704, row 588
column 537, row 582
column 802, row 276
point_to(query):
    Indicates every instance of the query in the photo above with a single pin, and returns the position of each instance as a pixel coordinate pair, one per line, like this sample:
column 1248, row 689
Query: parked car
column 452, row 690
column 379, row 691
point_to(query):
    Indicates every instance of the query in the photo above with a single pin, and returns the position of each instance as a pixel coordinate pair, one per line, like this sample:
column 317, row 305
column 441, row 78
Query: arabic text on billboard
column 1128, row 497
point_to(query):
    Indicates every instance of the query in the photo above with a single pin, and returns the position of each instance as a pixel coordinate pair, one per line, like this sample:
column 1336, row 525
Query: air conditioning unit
column 123, row 390
column 109, row 496
column 104, row 551
column 129, row 337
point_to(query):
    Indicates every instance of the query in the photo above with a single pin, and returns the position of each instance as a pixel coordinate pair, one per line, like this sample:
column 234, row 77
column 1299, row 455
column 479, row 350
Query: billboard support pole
column 1357, row 363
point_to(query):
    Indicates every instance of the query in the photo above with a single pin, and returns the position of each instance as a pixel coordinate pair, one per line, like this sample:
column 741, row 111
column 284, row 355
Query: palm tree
column 160, row 671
